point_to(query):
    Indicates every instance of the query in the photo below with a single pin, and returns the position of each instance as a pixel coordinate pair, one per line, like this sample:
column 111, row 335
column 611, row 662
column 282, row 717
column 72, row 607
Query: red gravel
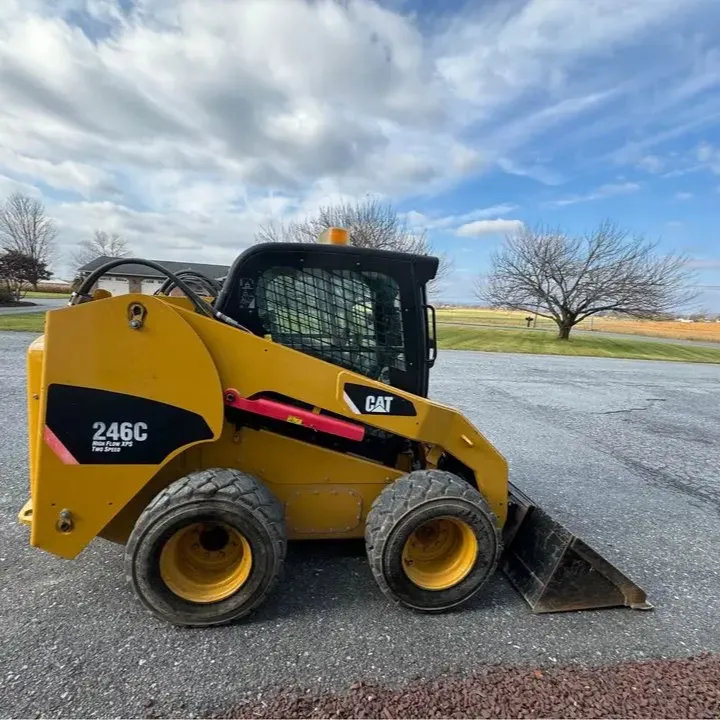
column 688, row 688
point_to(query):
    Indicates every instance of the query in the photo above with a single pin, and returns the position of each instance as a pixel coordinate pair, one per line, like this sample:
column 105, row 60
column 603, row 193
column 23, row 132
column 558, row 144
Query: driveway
column 625, row 453
column 41, row 305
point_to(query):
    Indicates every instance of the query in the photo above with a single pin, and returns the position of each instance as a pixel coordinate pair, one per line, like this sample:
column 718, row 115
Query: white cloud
column 709, row 157
column 245, row 90
column 651, row 163
column 489, row 227
column 508, row 48
column 201, row 110
column 184, row 124
column 62, row 175
column 705, row 157
column 679, row 172
column 665, row 123
column 527, row 67
column 604, row 191
column 704, row 263
column 175, row 234
column 542, row 174
column 8, row 186
column 518, row 129
column 684, row 196
column 417, row 219
column 422, row 221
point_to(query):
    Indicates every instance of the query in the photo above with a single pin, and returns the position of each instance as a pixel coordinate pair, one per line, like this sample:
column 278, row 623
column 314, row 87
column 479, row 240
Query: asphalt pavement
column 625, row 453
column 40, row 305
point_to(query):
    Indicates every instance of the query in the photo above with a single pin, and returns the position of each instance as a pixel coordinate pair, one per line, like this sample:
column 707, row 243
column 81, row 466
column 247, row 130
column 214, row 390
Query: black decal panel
column 98, row 427
column 363, row 400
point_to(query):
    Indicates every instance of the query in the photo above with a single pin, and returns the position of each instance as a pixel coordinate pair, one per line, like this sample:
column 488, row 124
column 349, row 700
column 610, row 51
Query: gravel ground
column 625, row 453
column 648, row 689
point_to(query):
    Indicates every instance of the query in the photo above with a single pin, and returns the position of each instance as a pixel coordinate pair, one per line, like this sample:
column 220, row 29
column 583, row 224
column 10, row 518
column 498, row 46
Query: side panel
column 325, row 493
column 88, row 426
column 34, row 364
column 249, row 365
column 116, row 404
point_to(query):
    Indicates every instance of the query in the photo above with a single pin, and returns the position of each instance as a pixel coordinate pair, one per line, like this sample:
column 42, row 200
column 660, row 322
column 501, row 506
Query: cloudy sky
column 184, row 124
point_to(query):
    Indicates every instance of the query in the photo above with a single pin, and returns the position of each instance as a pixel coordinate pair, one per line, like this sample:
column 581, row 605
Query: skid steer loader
column 204, row 428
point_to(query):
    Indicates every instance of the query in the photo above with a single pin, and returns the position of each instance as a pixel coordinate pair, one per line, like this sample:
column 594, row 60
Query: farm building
column 131, row 277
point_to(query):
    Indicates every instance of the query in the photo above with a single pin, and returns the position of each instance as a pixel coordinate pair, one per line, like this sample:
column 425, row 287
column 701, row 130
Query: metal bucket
column 556, row 571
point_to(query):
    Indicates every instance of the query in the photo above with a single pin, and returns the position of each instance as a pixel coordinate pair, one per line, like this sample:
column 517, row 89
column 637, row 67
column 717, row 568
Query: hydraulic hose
column 209, row 283
column 81, row 295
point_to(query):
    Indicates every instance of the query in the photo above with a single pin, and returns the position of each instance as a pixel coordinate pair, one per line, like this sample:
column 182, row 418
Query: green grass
column 45, row 295
column 541, row 343
column 27, row 322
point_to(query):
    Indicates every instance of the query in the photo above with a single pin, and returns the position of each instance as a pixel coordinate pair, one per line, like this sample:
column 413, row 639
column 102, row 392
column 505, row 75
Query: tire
column 456, row 522
column 208, row 549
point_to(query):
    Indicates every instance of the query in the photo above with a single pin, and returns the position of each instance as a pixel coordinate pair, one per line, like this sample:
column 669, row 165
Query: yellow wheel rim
column 205, row 562
column 440, row 553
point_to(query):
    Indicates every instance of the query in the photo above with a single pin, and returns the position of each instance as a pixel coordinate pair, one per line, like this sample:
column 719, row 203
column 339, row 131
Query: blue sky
column 186, row 124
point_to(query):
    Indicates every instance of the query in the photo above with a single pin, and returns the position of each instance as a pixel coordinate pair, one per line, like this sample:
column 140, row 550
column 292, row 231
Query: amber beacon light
column 334, row 236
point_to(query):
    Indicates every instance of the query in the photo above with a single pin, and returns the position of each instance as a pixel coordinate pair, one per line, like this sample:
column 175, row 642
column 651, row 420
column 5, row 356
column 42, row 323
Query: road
column 625, row 453
column 41, row 305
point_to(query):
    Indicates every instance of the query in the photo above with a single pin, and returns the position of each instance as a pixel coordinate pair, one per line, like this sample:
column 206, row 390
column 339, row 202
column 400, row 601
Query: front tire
column 432, row 541
column 208, row 549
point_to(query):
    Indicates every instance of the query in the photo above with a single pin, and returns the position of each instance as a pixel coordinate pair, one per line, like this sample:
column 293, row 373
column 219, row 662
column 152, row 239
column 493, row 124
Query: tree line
column 28, row 246
column 542, row 271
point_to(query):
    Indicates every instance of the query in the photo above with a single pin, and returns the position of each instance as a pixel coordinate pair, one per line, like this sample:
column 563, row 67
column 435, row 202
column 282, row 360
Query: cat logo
column 364, row 400
column 378, row 403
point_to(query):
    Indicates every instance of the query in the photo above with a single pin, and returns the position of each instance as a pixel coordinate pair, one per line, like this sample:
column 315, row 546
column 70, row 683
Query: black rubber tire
column 406, row 504
column 223, row 494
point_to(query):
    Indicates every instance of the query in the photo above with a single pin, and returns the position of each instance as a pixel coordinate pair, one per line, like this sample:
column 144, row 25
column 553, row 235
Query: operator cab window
column 348, row 318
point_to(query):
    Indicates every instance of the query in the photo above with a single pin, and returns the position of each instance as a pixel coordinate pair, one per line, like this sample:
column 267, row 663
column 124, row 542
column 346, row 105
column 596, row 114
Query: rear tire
column 432, row 541
column 208, row 549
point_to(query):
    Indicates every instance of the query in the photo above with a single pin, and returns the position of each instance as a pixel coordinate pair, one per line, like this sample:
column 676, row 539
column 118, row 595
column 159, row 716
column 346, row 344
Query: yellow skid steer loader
column 207, row 425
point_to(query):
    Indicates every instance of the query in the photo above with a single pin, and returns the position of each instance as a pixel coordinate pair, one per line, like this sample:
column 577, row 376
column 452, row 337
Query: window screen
column 352, row 319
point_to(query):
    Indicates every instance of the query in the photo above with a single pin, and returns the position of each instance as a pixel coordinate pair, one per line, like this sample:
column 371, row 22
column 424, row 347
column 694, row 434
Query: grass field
column 452, row 337
column 531, row 341
column 22, row 322
column 46, row 295
column 708, row 331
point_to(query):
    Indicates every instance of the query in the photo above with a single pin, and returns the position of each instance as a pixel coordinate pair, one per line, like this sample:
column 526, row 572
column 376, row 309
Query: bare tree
column 371, row 224
column 26, row 229
column 568, row 279
column 101, row 244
